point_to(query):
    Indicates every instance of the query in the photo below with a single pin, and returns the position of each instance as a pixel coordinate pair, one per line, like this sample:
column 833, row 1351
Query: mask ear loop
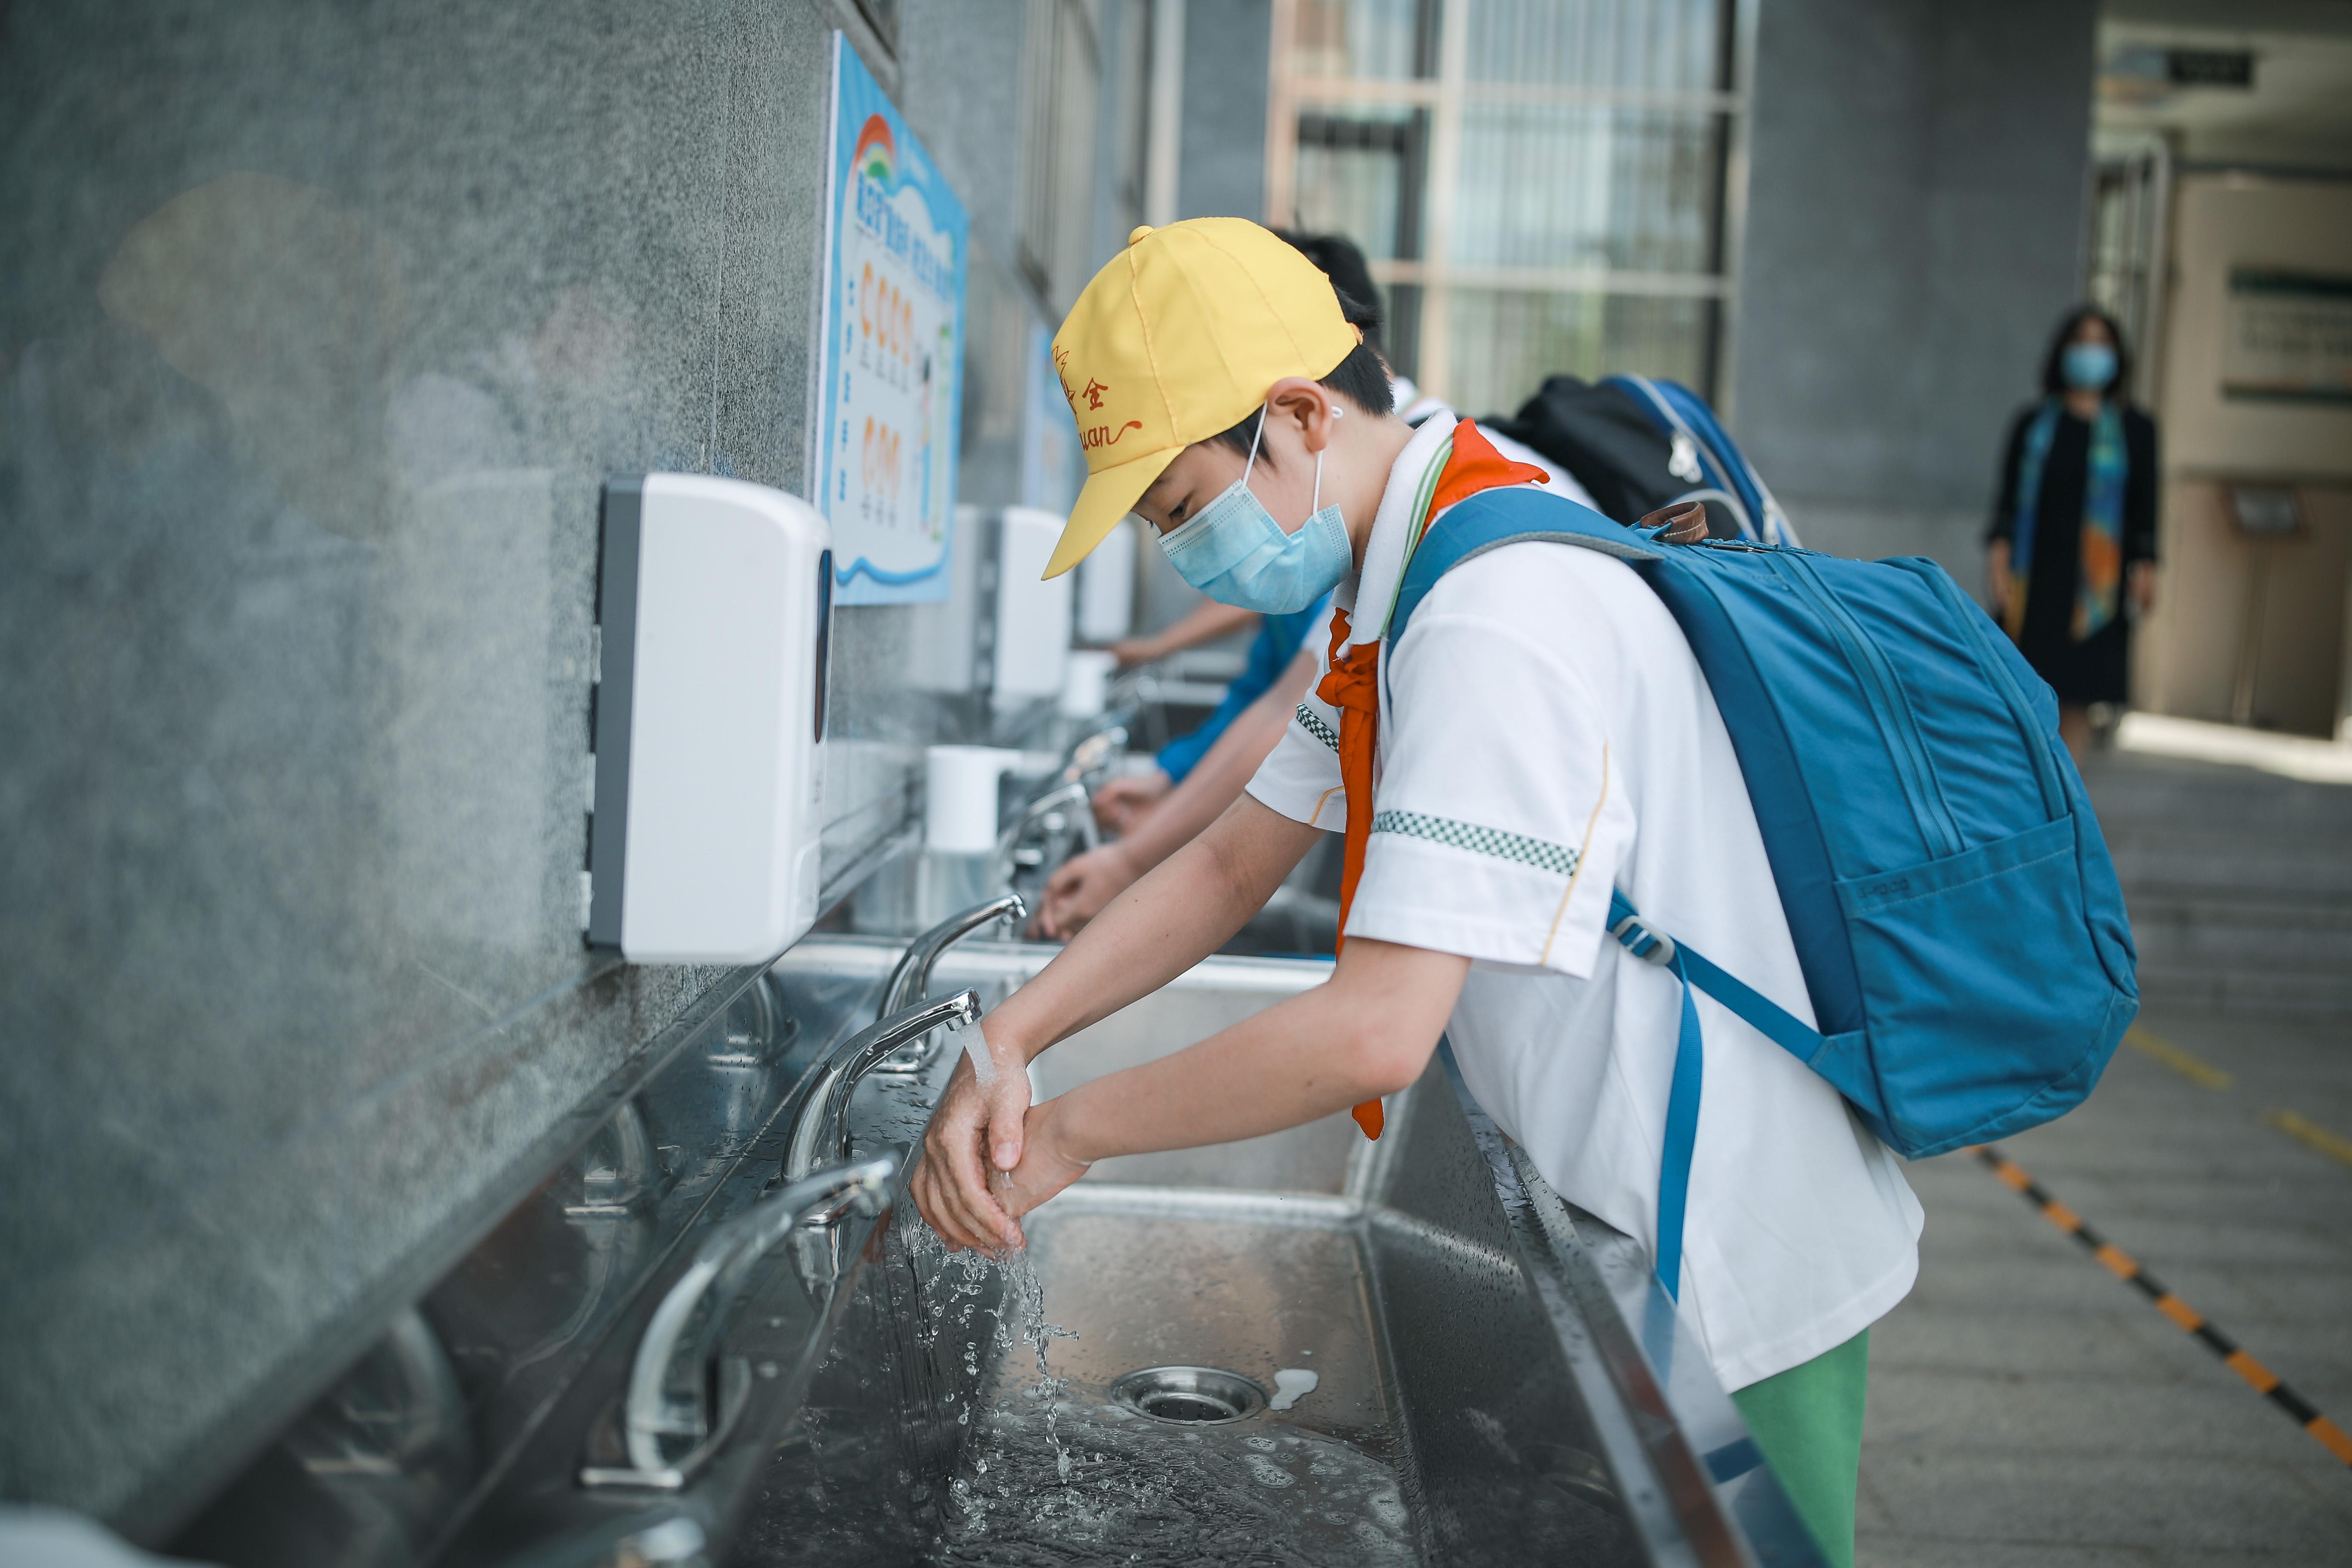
column 1315, row 502
column 1255, row 436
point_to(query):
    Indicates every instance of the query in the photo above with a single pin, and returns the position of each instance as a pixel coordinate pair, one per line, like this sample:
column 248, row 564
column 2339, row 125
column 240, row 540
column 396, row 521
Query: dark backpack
column 1604, row 439
column 1637, row 444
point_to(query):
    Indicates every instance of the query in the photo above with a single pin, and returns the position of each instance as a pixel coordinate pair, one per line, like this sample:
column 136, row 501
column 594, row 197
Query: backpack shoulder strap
column 1768, row 1018
column 1492, row 518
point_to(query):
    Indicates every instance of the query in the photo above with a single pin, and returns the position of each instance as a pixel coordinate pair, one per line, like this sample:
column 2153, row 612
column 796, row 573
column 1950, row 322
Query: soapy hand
column 977, row 1131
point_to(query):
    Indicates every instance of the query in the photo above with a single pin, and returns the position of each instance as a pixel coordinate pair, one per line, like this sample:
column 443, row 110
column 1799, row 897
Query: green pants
column 1808, row 1421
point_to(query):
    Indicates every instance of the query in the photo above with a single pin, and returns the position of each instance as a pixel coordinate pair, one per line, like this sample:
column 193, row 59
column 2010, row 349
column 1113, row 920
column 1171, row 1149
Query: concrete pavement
column 2030, row 1410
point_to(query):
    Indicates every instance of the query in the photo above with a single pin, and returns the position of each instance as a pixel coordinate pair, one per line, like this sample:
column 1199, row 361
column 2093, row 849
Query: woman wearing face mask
column 2072, row 557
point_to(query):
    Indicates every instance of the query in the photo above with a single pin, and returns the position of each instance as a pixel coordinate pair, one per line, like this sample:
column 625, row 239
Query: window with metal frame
column 1540, row 185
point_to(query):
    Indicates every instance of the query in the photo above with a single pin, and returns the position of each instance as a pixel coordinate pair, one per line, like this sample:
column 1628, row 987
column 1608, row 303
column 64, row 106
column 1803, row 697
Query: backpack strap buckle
column 1645, row 940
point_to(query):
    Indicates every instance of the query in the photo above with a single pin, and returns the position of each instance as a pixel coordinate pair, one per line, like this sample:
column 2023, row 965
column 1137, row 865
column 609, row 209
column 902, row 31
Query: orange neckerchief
column 1353, row 685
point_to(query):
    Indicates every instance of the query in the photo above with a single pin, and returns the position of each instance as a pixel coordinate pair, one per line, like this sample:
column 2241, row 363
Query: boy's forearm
column 1180, row 912
column 1280, row 1068
column 1364, row 1035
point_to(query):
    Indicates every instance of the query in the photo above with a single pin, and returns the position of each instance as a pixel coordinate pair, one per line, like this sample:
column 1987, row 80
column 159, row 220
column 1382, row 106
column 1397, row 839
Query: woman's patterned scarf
column 2098, row 580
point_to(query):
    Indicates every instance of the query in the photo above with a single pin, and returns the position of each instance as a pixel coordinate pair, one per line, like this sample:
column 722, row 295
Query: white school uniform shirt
column 1544, row 735
column 1415, row 408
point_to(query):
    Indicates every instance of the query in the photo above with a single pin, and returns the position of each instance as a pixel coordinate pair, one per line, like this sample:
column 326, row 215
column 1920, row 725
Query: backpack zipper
column 1885, row 694
column 2020, row 712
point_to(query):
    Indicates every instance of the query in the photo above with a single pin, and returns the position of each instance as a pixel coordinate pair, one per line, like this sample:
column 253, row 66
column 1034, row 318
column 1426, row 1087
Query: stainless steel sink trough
column 712, row 1334
column 1300, row 1349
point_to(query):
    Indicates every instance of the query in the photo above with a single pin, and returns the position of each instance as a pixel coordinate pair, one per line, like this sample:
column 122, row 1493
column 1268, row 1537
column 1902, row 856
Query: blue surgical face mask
column 2088, row 367
column 1237, row 553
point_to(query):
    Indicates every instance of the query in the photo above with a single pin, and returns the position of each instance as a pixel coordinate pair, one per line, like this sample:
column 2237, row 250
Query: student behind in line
column 2071, row 557
column 1125, row 801
column 1194, row 778
column 1530, row 744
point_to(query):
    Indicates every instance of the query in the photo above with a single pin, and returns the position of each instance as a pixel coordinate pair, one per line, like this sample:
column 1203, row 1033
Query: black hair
column 1342, row 261
column 1362, row 378
column 2053, row 373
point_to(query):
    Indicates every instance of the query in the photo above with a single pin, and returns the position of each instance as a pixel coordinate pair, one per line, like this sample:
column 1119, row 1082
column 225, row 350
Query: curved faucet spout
column 1070, row 801
column 820, row 1133
column 910, row 981
column 1094, row 751
column 680, row 1393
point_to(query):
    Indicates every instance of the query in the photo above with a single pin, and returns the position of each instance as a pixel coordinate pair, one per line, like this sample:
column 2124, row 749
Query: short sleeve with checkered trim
column 1300, row 778
column 1500, row 820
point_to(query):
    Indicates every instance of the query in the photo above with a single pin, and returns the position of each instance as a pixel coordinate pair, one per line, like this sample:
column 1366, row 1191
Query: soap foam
column 1291, row 1385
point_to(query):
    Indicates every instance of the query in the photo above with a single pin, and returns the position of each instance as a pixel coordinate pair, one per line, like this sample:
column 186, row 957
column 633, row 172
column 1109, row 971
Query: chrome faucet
column 1094, row 751
column 910, row 981
column 685, row 1393
column 821, row 1131
column 1067, row 801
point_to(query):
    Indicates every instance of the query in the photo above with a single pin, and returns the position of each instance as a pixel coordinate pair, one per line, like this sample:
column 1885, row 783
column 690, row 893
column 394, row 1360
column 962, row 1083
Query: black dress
column 2098, row 668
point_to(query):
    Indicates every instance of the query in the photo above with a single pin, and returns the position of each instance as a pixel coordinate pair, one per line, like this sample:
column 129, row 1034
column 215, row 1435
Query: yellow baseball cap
column 1177, row 338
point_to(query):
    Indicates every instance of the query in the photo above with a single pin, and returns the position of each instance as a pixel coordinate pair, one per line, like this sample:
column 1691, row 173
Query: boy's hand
column 1045, row 1167
column 973, row 1133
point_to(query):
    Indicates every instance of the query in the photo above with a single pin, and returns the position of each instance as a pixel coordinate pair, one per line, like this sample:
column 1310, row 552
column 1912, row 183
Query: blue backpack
column 1957, row 917
column 1704, row 456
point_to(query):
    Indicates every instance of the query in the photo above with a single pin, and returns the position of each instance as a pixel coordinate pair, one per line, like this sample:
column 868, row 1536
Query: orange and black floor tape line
column 2119, row 1263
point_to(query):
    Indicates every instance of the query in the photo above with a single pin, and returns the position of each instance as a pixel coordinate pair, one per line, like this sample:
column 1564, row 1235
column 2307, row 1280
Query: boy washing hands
column 1525, row 749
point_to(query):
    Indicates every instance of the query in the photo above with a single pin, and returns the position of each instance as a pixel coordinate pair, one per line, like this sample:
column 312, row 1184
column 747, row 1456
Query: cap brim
column 1108, row 496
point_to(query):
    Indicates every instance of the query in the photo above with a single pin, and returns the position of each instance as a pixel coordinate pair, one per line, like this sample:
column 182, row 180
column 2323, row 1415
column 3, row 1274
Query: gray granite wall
column 320, row 327
column 1913, row 228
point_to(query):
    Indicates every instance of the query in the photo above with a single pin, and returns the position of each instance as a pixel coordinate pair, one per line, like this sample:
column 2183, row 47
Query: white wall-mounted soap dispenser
column 714, row 607
column 1033, row 611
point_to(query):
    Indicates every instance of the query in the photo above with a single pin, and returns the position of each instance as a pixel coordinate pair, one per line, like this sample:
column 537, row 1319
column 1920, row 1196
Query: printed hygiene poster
column 892, row 363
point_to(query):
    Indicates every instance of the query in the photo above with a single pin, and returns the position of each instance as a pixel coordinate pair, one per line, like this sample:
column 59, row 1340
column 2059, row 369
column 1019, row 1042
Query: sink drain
column 1189, row 1395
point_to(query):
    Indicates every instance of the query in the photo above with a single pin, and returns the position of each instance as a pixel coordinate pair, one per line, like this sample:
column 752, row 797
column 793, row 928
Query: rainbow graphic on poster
column 893, row 330
column 875, row 155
